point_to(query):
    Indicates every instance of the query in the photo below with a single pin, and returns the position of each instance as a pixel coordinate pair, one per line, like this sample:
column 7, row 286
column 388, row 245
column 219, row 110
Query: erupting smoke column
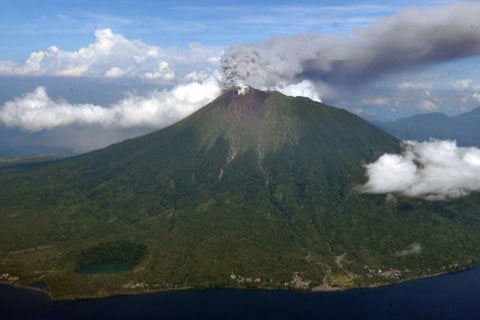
column 413, row 37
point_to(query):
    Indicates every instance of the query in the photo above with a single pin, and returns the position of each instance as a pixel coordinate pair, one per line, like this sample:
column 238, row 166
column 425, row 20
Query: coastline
column 26, row 287
column 318, row 289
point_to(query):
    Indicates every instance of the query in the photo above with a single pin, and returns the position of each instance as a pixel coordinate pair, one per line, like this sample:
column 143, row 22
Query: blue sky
column 27, row 26
column 70, row 70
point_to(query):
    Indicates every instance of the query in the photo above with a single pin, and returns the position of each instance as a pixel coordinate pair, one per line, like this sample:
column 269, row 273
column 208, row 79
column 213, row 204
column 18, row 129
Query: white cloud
column 476, row 96
column 115, row 72
column 415, row 86
column 163, row 72
column 377, row 101
column 469, row 89
column 112, row 55
column 427, row 105
column 415, row 95
column 463, row 84
column 414, row 248
column 36, row 111
column 196, row 76
column 302, row 89
column 432, row 170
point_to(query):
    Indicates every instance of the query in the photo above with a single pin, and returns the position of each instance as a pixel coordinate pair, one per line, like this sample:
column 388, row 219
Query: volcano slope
column 253, row 190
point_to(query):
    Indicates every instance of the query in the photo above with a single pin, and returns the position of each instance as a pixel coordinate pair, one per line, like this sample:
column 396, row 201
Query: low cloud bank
column 433, row 170
column 36, row 111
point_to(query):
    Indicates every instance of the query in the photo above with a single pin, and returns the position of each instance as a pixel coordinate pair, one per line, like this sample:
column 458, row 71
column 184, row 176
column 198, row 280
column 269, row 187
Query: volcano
column 256, row 189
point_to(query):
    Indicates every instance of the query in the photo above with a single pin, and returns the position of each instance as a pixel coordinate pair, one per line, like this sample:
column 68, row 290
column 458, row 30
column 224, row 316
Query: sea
column 449, row 296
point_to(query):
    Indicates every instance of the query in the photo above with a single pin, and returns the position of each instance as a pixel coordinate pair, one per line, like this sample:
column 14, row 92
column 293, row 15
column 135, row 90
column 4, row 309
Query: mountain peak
column 247, row 118
column 474, row 112
column 246, row 97
column 253, row 176
column 265, row 122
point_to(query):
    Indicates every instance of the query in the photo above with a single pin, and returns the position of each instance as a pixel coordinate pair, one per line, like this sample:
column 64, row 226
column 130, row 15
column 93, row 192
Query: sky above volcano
column 79, row 75
column 28, row 26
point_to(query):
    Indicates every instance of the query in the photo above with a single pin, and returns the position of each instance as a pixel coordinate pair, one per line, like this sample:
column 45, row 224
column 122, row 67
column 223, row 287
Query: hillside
column 253, row 190
column 463, row 128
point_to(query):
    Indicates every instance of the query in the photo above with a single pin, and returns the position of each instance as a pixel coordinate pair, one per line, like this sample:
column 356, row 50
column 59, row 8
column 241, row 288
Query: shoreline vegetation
column 317, row 289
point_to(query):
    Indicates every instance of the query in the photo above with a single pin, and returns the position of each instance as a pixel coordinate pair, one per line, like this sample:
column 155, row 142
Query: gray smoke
column 412, row 37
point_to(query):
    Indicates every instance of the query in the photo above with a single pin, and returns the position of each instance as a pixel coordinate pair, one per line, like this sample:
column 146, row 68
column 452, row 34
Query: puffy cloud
column 463, row 84
column 476, row 96
column 427, row 105
column 432, row 170
column 475, row 92
column 196, row 76
column 112, row 55
column 415, row 86
column 469, row 90
column 302, row 89
column 115, row 72
column 36, row 111
column 163, row 72
column 421, row 93
column 419, row 96
column 412, row 37
column 377, row 101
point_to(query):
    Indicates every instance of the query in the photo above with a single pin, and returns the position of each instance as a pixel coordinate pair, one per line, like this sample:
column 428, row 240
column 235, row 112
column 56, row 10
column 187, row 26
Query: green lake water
column 106, row 267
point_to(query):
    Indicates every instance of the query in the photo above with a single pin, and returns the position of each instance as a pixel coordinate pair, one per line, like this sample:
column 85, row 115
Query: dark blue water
column 452, row 296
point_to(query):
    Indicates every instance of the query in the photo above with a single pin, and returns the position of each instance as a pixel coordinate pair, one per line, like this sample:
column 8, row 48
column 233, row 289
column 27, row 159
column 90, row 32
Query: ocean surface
column 450, row 296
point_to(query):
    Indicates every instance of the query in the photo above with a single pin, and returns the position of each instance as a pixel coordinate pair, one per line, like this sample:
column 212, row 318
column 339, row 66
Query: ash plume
column 412, row 37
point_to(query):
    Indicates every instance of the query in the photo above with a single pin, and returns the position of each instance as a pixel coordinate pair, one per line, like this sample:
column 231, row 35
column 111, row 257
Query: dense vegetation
column 255, row 190
column 113, row 251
